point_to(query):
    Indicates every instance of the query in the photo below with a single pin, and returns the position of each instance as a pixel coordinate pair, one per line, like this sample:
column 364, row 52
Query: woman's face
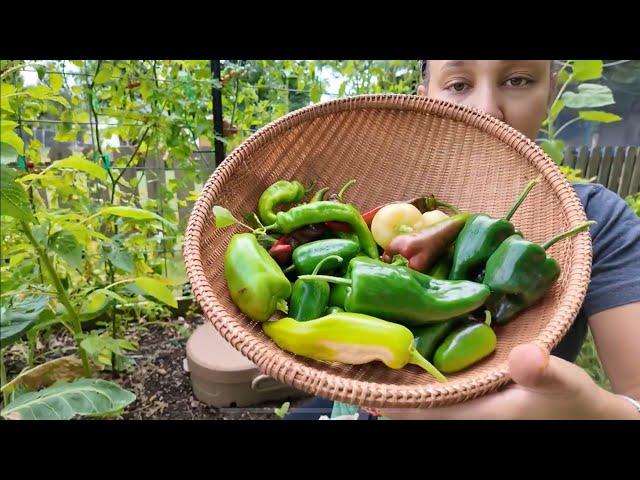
column 518, row 92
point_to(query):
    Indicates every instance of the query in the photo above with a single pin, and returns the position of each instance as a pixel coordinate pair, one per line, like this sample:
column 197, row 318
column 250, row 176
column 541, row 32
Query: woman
column 520, row 92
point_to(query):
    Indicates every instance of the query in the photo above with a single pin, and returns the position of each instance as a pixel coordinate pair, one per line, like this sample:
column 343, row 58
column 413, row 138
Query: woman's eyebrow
column 451, row 64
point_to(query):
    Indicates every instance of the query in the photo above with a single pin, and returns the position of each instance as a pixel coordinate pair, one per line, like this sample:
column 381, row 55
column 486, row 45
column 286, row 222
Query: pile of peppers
column 404, row 283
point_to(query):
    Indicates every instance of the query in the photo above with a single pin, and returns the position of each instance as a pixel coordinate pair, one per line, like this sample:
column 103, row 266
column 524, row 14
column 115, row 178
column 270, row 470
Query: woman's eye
column 457, row 87
column 518, row 82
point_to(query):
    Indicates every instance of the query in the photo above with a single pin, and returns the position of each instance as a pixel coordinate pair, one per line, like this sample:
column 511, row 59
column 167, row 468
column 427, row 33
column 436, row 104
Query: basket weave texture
column 396, row 147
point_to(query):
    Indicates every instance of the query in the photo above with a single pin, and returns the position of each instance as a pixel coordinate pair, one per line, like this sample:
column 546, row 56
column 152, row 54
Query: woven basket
column 396, row 147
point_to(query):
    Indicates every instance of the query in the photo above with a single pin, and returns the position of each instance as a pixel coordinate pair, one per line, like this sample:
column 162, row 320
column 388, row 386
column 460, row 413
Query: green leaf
column 87, row 396
column 584, row 70
column 135, row 213
column 78, row 63
column 40, row 92
column 598, row 116
column 79, row 163
column 157, row 290
column 282, row 411
column 121, row 258
column 554, row 111
column 11, row 138
column 589, row 95
column 104, row 74
column 65, row 244
column 95, row 345
column 95, row 304
column 555, row 149
column 13, row 199
column 18, row 318
column 56, row 81
column 224, row 217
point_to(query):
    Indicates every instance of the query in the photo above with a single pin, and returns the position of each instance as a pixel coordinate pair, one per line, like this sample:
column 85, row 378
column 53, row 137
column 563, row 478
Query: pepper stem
column 568, row 233
column 321, row 262
column 345, row 188
column 487, row 318
column 319, row 195
column 311, row 187
column 416, row 359
column 447, row 205
column 326, row 278
column 290, row 268
column 523, row 195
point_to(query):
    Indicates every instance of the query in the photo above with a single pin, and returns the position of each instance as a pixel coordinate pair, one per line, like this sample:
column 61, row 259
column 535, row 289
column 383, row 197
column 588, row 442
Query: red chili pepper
column 368, row 216
column 338, row 226
column 282, row 250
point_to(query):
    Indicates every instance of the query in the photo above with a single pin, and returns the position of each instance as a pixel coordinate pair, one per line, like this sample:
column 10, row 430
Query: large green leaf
column 66, row 245
column 157, row 290
column 589, row 95
column 135, row 213
column 13, row 198
column 555, row 149
column 11, row 138
column 584, row 70
column 598, row 116
column 17, row 319
column 87, row 396
column 56, row 81
column 95, row 304
column 121, row 258
column 78, row 162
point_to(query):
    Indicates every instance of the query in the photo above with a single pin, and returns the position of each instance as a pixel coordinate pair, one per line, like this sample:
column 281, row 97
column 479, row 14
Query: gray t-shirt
column 615, row 273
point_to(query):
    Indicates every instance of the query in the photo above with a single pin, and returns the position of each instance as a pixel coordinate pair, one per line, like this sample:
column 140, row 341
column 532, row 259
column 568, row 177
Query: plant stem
column 523, row 195
column 3, row 379
column 573, row 120
column 62, row 295
column 568, row 233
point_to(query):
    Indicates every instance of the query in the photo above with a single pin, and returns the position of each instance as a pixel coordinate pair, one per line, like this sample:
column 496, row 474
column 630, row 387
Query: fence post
column 217, row 112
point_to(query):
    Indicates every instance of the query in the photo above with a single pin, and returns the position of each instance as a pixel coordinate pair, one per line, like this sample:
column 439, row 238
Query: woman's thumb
column 533, row 367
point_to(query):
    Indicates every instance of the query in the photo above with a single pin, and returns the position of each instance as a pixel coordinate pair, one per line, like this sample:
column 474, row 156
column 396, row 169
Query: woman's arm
column 616, row 332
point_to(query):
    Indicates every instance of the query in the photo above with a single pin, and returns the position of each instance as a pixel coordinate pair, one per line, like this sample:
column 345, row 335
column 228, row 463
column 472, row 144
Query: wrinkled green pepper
column 350, row 338
column 519, row 273
column 309, row 299
column 279, row 193
column 326, row 211
column 306, row 257
column 479, row 238
column 256, row 282
column 400, row 294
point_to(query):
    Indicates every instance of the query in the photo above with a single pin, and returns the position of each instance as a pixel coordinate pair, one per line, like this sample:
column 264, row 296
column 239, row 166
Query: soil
column 158, row 377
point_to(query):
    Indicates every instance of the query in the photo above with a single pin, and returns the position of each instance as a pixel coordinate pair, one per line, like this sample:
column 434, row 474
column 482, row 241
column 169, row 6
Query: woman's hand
column 546, row 387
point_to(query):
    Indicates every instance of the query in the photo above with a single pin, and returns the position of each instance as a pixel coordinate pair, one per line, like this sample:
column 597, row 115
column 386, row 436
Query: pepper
column 429, row 337
column 325, row 211
column 338, row 295
column 319, row 195
column 424, row 204
column 340, row 226
column 466, row 345
column 423, row 248
column 350, row 338
column 441, row 268
column 519, row 273
column 400, row 294
column 282, row 250
column 309, row 300
column 279, row 193
column 479, row 238
column 306, row 257
column 333, row 309
column 256, row 283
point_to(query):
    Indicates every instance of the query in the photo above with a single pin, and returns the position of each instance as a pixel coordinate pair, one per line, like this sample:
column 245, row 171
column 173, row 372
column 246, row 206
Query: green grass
column 588, row 359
